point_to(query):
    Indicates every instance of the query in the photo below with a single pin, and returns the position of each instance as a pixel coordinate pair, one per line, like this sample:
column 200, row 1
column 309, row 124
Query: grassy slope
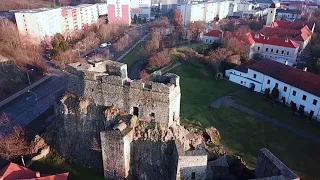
column 53, row 164
column 133, row 56
column 278, row 111
column 241, row 133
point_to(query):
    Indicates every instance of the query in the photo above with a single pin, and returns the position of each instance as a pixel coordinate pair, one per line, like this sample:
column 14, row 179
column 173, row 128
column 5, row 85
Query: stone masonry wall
column 270, row 166
column 116, row 153
column 158, row 99
column 153, row 160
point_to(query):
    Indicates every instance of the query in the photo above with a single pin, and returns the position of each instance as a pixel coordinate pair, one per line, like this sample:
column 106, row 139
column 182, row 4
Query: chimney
column 256, row 36
column 286, row 62
column 305, row 69
column 37, row 174
column 286, row 40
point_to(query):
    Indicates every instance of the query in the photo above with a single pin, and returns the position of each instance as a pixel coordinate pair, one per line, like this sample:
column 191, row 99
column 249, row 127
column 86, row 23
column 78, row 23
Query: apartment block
column 39, row 24
column 119, row 11
column 141, row 8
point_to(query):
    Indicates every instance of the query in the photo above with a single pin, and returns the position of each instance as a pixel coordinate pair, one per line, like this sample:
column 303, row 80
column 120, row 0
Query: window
column 282, row 52
column 266, row 49
column 311, row 113
column 193, row 175
column 315, row 102
column 254, row 76
column 152, row 115
column 304, row 97
column 258, row 48
column 276, row 85
column 288, row 53
column 241, row 82
column 271, row 50
column 277, row 51
column 271, row 12
column 268, row 82
column 285, row 89
column 206, row 40
column 294, row 93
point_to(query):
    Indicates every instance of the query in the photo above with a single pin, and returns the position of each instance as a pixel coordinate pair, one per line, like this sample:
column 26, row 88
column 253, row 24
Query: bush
column 293, row 106
column 301, row 111
column 267, row 92
column 275, row 93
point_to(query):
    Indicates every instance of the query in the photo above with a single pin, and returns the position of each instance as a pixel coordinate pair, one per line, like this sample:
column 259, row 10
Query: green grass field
column 242, row 133
column 53, row 164
column 133, row 56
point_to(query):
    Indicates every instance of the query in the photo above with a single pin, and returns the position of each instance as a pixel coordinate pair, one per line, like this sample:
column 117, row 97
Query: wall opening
column 173, row 116
column 135, row 111
column 152, row 116
column 193, row 175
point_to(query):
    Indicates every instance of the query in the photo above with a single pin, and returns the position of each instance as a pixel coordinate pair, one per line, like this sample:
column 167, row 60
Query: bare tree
column 67, row 57
column 13, row 143
column 144, row 76
column 159, row 59
column 90, row 41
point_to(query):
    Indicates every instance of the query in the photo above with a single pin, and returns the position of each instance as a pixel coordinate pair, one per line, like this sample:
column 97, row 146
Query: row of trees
column 87, row 39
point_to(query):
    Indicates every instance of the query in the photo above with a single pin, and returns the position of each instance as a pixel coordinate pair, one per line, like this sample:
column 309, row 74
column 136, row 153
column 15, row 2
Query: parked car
column 103, row 45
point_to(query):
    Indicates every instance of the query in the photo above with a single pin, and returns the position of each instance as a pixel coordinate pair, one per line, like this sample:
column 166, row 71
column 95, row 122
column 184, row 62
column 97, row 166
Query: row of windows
column 277, row 51
column 304, row 97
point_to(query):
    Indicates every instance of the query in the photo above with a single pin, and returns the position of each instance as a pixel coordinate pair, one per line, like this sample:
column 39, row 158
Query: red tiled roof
column 304, row 80
column 274, row 41
column 63, row 176
column 14, row 171
column 300, row 34
column 213, row 33
column 243, row 67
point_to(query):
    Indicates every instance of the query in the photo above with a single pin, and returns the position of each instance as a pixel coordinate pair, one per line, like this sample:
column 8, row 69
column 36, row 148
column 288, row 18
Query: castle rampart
column 106, row 83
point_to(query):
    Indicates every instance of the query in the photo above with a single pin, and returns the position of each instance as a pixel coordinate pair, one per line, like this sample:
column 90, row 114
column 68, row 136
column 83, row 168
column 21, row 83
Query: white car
column 103, row 45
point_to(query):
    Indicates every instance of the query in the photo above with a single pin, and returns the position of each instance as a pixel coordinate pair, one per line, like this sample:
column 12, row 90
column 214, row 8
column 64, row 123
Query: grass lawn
column 241, row 133
column 278, row 111
column 133, row 56
column 53, row 164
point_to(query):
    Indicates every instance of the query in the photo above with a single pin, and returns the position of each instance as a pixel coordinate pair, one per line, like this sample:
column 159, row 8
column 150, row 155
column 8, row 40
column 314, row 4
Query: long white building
column 294, row 85
column 39, row 24
column 203, row 11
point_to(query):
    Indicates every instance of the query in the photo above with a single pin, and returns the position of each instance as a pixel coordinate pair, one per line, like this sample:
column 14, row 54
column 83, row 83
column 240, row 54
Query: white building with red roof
column 281, row 40
column 211, row 36
column 295, row 85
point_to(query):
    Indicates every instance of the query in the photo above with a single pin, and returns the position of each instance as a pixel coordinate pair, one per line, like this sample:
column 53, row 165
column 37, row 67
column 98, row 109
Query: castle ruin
column 106, row 83
column 136, row 127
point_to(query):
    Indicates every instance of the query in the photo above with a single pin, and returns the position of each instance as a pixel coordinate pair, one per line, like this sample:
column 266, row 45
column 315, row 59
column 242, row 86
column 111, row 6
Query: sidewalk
column 124, row 54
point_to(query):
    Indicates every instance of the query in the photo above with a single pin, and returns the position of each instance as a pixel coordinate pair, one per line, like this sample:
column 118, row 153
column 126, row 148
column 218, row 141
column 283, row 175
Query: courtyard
column 243, row 134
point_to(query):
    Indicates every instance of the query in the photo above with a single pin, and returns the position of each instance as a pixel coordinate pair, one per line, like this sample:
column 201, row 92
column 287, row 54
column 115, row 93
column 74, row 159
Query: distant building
column 39, row 24
column 119, row 11
column 212, row 36
column 167, row 5
column 14, row 171
column 203, row 11
column 78, row 17
column 294, row 85
column 141, row 8
column 288, row 14
column 102, row 9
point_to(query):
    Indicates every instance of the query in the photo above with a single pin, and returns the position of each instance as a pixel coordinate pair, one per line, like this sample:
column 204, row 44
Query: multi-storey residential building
column 295, row 86
column 203, row 11
column 102, row 9
column 78, row 17
column 119, row 11
column 288, row 14
column 167, row 5
column 39, row 24
column 141, row 8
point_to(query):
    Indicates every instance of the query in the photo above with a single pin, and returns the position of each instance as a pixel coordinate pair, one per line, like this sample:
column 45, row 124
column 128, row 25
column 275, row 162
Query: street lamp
column 29, row 76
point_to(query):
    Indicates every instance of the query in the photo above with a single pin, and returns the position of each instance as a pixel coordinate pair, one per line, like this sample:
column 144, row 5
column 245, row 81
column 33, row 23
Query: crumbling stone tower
column 106, row 83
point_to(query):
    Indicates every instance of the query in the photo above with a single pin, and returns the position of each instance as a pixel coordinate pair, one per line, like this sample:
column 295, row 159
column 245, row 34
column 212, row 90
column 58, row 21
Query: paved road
column 229, row 102
column 28, row 106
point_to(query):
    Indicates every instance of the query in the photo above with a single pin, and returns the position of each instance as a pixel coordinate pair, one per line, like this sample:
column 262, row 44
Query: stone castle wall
column 106, row 83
